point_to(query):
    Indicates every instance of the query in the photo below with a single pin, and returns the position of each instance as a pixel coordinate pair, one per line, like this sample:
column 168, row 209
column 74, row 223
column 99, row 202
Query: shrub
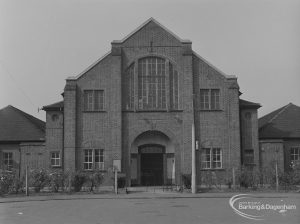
column 17, row 185
column 67, row 181
column 39, row 179
column 186, row 180
column 94, row 179
column 288, row 179
column 10, row 182
column 78, row 180
column 6, row 180
column 267, row 176
column 121, row 182
column 249, row 178
column 296, row 174
column 56, row 181
column 206, row 179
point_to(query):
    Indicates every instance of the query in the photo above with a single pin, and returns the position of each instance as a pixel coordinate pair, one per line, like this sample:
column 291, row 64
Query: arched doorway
column 152, row 159
column 152, row 165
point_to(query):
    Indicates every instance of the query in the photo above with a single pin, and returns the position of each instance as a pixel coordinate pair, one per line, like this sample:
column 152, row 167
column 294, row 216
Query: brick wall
column 217, row 128
column 115, row 131
column 54, row 133
column 70, row 124
column 249, row 133
column 35, row 156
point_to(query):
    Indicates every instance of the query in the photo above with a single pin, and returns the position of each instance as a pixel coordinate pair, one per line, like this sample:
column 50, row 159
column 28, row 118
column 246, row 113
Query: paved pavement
column 140, row 208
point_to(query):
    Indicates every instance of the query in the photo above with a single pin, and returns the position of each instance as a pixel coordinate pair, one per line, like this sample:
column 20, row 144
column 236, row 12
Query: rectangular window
column 88, row 159
column 93, row 159
column 8, row 160
column 55, row 159
column 206, row 159
column 93, row 100
column 99, row 159
column 209, row 99
column 215, row 99
column 249, row 156
column 211, row 158
column 99, row 100
column 204, row 99
column 295, row 154
column 216, row 158
column 88, row 100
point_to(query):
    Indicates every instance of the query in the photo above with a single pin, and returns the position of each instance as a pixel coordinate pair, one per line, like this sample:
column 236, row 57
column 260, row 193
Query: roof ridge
column 279, row 113
column 55, row 103
column 6, row 107
column 27, row 116
column 214, row 67
column 151, row 19
column 92, row 65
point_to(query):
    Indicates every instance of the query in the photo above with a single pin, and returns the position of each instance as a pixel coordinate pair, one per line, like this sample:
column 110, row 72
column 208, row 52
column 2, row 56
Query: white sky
column 44, row 42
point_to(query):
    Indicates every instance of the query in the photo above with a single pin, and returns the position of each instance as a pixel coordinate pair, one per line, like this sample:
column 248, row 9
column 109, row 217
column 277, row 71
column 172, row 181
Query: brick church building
column 135, row 107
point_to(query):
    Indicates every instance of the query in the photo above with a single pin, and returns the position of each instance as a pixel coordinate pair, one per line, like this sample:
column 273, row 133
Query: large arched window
column 154, row 76
column 151, row 83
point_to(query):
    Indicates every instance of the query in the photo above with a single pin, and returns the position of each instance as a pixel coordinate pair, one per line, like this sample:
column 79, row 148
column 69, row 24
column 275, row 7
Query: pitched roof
column 158, row 24
column 55, row 106
column 16, row 125
column 89, row 67
column 248, row 104
column 281, row 123
column 126, row 38
column 214, row 67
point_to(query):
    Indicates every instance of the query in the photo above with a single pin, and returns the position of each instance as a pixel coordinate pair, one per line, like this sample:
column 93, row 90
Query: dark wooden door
column 152, row 169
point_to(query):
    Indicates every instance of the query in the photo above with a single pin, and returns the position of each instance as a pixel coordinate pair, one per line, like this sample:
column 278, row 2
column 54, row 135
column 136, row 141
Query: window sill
column 151, row 111
column 175, row 110
column 213, row 169
column 146, row 111
column 94, row 111
column 209, row 110
column 93, row 170
column 56, row 167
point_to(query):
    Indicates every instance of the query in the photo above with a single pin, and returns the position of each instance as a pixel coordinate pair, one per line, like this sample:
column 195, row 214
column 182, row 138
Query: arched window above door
column 151, row 84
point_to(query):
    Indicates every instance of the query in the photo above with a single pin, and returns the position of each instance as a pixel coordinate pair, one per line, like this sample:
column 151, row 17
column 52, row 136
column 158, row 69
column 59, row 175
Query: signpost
column 116, row 167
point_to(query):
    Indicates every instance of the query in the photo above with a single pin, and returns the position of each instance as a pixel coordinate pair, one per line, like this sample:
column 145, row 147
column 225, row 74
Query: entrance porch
column 152, row 162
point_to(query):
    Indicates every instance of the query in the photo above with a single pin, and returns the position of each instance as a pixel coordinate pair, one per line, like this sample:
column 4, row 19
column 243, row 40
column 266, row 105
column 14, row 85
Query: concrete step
column 152, row 189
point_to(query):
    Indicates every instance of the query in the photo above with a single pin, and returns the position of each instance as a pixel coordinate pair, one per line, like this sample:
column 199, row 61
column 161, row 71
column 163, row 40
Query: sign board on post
column 117, row 164
column 117, row 168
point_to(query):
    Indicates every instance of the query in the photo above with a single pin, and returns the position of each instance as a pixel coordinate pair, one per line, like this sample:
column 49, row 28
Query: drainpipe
column 194, row 190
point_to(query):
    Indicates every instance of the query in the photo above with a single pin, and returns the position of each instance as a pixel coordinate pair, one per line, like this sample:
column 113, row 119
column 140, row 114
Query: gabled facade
column 279, row 138
column 136, row 107
column 22, row 140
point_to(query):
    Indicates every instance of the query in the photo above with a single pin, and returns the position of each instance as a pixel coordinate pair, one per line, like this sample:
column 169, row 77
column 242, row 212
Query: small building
column 135, row 108
column 279, row 138
column 22, row 141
